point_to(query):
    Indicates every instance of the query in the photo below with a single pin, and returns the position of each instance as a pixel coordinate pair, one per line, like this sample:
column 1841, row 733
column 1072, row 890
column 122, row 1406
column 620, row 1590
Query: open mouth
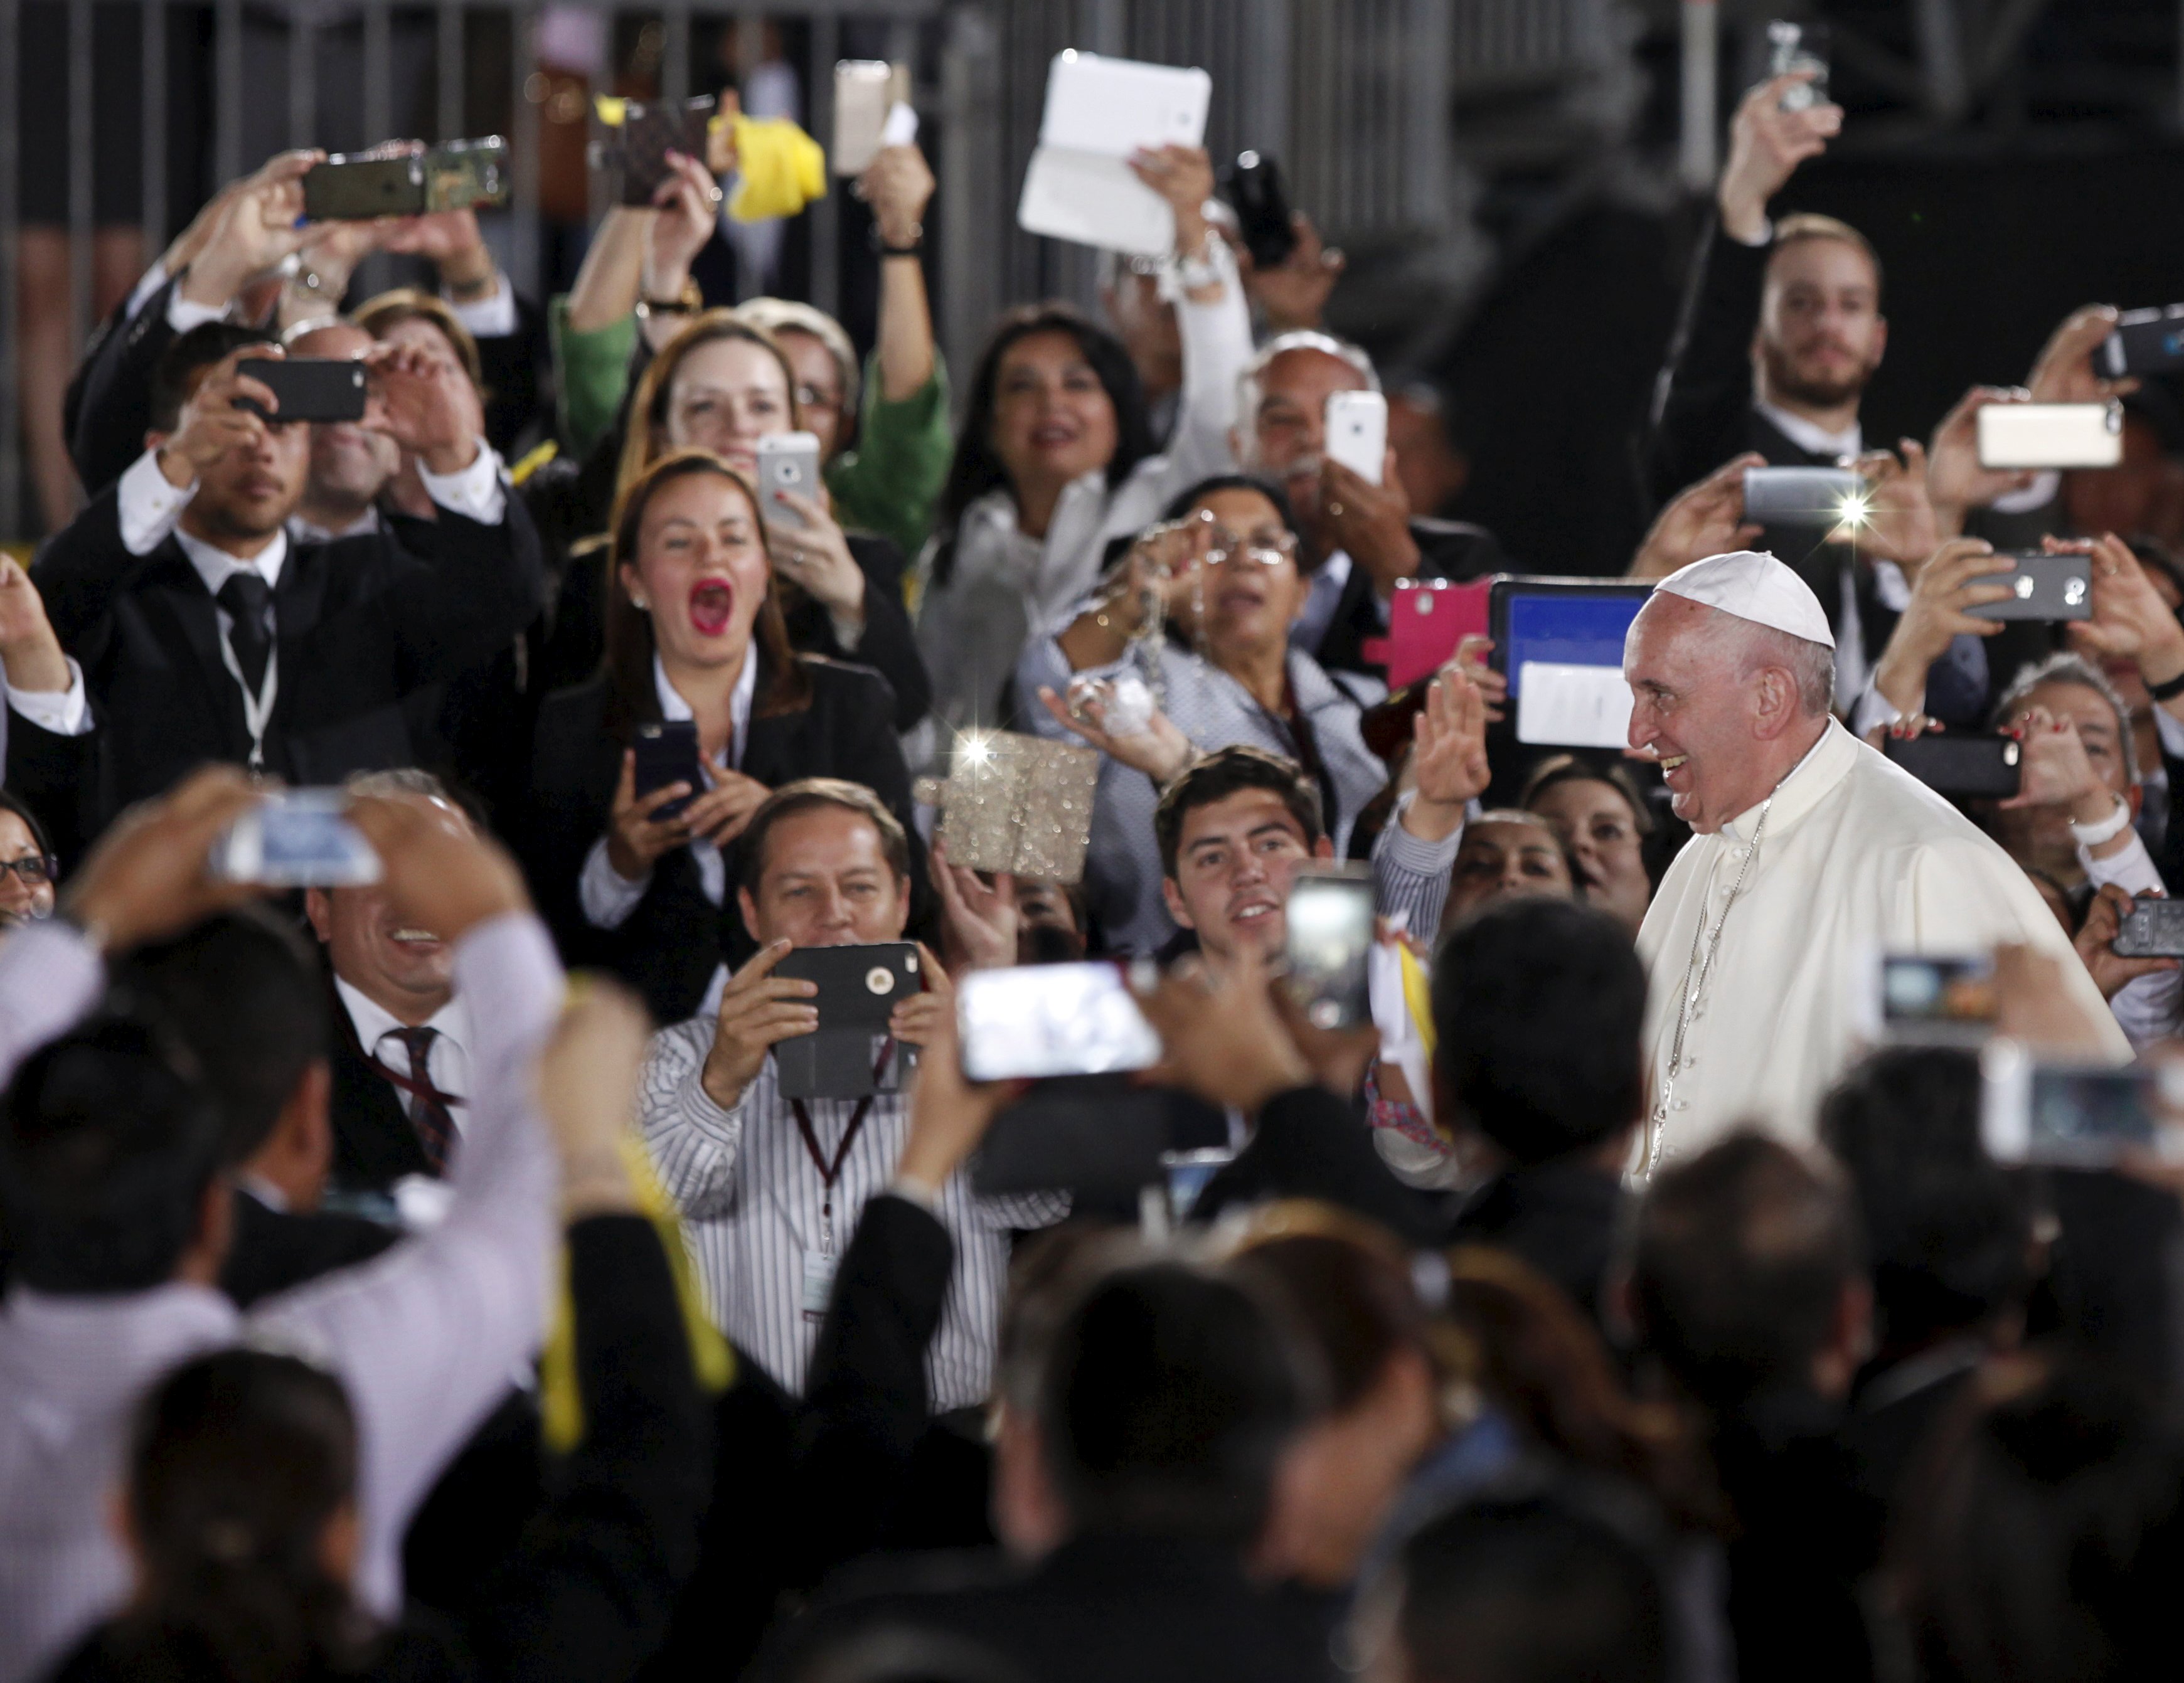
column 413, row 938
column 712, row 602
column 1053, row 436
column 1252, row 910
column 1670, row 763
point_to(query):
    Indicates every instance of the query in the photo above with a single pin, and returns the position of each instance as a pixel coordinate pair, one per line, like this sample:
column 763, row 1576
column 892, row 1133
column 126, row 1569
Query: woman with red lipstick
column 721, row 385
column 695, row 631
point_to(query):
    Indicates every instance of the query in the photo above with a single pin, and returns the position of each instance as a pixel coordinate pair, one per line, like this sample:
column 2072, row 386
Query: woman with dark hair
column 28, row 869
column 1056, row 459
column 722, row 384
column 1602, row 821
column 639, row 882
column 1187, row 650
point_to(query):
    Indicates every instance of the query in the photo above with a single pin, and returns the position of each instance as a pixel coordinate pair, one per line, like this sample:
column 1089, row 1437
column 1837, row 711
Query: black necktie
column 428, row 1106
column 245, row 596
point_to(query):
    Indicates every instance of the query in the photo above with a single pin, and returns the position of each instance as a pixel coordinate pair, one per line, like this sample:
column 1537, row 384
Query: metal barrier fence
column 1352, row 96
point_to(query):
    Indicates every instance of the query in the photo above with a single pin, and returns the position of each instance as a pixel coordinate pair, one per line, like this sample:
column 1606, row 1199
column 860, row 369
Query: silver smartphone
column 2048, row 588
column 865, row 91
column 2017, row 437
column 296, row 838
column 1357, row 432
column 786, row 461
column 1801, row 496
column 1328, row 938
column 1042, row 1020
column 2077, row 1115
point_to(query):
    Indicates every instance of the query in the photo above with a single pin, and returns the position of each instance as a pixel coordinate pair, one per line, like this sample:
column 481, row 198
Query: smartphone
column 2145, row 342
column 2152, row 929
column 865, row 91
column 1329, row 937
column 1801, row 496
column 667, row 753
column 858, row 989
column 636, row 149
column 1187, row 1173
column 296, row 838
column 1799, row 46
column 307, row 388
column 408, row 180
column 1045, row 1020
column 787, row 461
column 2073, row 1115
column 1357, row 432
column 1253, row 184
column 1967, row 767
column 1919, row 998
column 2020, row 435
column 2050, row 588
column 1428, row 619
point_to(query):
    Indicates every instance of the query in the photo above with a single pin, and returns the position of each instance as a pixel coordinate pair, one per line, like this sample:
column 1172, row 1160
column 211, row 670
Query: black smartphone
column 667, row 753
column 1253, row 184
column 636, row 150
column 2048, row 588
column 1328, row 938
column 408, row 180
column 307, row 388
column 2153, row 928
column 2145, row 342
column 1084, row 1134
column 858, row 989
column 1972, row 768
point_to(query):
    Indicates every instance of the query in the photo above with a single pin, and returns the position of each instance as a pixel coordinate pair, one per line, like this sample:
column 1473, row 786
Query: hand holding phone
column 2075, row 1115
column 1356, row 432
column 789, row 462
column 307, row 388
column 667, row 754
column 297, row 839
column 2013, row 436
column 1327, row 937
column 1971, row 767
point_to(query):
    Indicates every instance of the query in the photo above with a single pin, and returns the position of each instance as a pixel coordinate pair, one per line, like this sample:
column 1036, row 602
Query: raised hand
column 758, row 1010
column 451, row 241
column 2095, row 941
column 1943, row 596
column 212, row 424
column 980, row 919
column 29, row 653
column 1448, row 754
column 638, row 839
column 257, row 229
column 921, row 1019
column 2129, row 621
column 146, row 878
column 689, row 203
column 1160, row 751
column 1371, row 522
column 1700, row 520
column 897, row 185
column 1183, row 176
column 816, row 555
column 949, row 1115
column 587, row 1083
column 427, row 405
column 1293, row 294
column 1222, row 1036
column 1898, row 524
column 2063, row 372
column 1955, row 481
column 438, row 871
column 1766, row 145
column 2055, row 771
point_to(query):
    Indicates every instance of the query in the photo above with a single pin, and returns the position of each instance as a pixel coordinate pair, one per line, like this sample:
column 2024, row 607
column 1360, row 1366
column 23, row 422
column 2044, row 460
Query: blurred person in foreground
column 1810, row 850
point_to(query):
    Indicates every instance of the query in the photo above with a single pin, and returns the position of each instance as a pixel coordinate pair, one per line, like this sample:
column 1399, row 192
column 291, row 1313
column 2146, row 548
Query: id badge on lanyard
column 257, row 709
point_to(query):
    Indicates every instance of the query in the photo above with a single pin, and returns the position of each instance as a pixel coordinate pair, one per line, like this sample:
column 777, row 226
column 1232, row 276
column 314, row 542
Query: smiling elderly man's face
column 1700, row 702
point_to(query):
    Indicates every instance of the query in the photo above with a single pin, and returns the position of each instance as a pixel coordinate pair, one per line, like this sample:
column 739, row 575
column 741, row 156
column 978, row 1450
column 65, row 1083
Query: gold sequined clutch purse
column 1016, row 803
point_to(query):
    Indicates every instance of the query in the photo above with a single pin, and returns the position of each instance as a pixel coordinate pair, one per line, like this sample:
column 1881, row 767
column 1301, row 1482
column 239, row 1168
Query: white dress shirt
column 750, row 1197
column 424, row 1337
column 448, row 1058
column 607, row 897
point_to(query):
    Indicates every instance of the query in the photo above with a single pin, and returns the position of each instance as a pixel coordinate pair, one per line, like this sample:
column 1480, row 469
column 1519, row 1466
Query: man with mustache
column 1811, row 853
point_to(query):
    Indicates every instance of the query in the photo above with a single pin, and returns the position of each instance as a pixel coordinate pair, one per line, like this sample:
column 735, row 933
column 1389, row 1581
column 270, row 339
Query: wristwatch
column 881, row 244
column 689, row 302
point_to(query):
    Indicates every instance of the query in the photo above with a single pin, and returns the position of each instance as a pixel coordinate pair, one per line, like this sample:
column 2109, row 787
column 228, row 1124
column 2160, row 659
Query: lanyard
column 257, row 709
column 831, row 1172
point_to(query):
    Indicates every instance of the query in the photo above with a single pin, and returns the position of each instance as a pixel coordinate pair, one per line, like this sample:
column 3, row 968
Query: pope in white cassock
column 1811, row 852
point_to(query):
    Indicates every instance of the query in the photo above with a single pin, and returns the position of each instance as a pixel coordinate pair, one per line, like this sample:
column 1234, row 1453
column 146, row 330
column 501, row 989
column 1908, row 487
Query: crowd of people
column 384, row 1300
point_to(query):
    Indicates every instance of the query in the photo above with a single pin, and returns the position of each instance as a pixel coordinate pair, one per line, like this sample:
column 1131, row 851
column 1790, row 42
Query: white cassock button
column 1681, row 1105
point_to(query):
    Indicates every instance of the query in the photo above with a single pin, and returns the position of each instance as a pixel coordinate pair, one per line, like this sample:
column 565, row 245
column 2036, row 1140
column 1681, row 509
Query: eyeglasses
column 36, row 869
column 1267, row 548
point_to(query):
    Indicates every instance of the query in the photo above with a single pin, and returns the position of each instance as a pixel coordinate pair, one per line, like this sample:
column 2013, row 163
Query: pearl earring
column 640, row 604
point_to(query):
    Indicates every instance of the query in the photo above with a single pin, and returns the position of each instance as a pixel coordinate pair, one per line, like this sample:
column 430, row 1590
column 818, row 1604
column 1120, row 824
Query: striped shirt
column 751, row 1199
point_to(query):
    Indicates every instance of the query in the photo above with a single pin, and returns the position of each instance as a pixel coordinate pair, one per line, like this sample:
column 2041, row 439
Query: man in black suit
column 199, row 629
column 1167, row 1400
column 399, row 1051
column 1361, row 536
column 240, row 990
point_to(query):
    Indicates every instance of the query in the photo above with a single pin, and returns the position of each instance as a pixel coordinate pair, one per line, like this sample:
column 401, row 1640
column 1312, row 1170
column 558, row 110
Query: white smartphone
column 1357, row 432
column 786, row 461
column 1079, row 185
column 2019, row 436
column 865, row 91
column 2075, row 1115
column 296, row 838
column 1045, row 1020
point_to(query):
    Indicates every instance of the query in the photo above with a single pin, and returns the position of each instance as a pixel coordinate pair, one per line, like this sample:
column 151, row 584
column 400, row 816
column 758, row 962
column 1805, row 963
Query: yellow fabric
column 533, row 462
column 782, row 168
column 561, row 1399
column 1418, row 995
column 613, row 112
